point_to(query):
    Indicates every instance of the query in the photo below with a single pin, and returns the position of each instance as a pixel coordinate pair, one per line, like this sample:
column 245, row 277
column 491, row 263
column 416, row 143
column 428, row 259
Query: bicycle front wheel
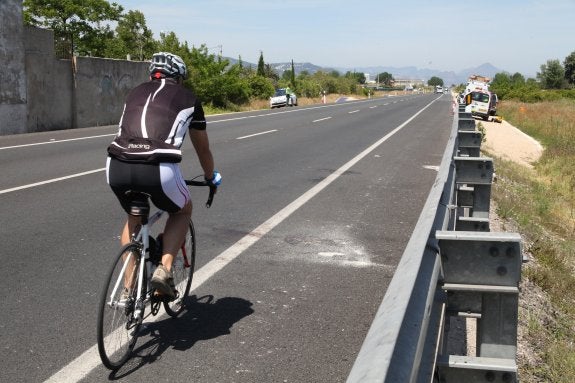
column 118, row 324
column 183, row 271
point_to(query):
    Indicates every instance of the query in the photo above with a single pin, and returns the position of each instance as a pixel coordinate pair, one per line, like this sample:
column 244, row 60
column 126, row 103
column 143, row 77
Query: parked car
column 283, row 97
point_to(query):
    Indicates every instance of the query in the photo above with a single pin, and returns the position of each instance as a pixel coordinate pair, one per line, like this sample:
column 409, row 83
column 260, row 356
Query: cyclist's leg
column 174, row 198
column 120, row 177
column 175, row 233
column 182, row 273
column 130, row 227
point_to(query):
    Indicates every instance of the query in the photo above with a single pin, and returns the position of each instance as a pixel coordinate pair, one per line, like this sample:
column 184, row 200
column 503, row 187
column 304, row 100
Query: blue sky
column 513, row 35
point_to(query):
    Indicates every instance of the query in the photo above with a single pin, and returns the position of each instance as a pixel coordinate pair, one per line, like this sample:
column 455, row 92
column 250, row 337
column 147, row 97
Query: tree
column 77, row 24
column 260, row 87
column 552, row 75
column 569, row 64
column 261, row 65
column 269, row 72
column 518, row 79
column 359, row 78
column 292, row 77
column 435, row 81
column 132, row 37
column 386, row 78
column 287, row 75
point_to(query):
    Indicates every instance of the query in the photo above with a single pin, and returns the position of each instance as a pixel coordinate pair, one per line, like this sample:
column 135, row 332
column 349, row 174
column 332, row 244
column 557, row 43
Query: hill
column 409, row 72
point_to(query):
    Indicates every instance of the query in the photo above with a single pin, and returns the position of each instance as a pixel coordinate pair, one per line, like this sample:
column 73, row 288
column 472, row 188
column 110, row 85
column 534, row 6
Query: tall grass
column 553, row 124
column 541, row 202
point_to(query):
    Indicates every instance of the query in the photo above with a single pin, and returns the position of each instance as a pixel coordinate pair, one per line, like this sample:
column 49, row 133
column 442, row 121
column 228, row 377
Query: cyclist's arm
column 202, row 145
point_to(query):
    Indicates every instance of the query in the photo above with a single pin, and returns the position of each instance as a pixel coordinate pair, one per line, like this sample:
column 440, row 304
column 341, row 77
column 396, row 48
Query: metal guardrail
column 452, row 266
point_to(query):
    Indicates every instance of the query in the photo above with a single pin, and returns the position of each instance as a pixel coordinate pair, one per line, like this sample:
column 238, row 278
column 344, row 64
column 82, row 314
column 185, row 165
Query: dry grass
column 541, row 203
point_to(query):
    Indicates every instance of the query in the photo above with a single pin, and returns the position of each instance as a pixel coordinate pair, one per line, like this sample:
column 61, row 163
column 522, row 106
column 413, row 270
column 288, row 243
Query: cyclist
column 145, row 154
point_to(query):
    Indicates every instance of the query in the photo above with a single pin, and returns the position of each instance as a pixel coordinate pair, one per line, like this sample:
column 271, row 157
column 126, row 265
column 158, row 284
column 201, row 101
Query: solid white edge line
column 257, row 134
column 56, row 141
column 85, row 363
column 51, row 181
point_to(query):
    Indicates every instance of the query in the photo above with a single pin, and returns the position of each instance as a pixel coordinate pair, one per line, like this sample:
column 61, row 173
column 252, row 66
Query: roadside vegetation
column 541, row 202
column 84, row 28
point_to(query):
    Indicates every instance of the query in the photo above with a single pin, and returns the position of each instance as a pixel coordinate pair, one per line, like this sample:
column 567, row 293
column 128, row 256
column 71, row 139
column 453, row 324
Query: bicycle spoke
column 117, row 325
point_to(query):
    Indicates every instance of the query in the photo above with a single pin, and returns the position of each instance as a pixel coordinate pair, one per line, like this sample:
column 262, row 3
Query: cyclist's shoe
column 163, row 282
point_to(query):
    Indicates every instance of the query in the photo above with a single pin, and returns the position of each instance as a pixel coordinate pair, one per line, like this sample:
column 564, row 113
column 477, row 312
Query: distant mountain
column 448, row 77
column 408, row 72
column 299, row 67
column 282, row 67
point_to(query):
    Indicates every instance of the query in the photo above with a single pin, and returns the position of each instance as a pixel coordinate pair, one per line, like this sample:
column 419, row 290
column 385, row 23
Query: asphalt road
column 326, row 197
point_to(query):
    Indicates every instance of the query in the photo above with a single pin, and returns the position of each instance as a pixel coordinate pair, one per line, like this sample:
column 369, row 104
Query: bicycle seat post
column 140, row 206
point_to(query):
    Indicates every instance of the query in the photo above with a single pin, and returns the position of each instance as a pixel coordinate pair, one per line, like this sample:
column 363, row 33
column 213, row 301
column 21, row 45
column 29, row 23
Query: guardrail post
column 473, row 182
column 481, row 280
column 466, row 123
column 469, row 142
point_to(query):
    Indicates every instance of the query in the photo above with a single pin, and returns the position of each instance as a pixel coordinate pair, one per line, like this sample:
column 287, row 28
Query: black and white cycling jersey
column 156, row 117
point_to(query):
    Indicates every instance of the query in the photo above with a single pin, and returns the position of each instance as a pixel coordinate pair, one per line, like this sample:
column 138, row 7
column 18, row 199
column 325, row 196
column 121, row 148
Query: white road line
column 53, row 141
column 257, row 134
column 52, row 180
column 353, row 111
column 373, row 107
column 82, row 365
column 322, row 119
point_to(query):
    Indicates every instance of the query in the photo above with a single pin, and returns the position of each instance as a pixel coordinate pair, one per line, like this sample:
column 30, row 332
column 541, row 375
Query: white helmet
column 167, row 64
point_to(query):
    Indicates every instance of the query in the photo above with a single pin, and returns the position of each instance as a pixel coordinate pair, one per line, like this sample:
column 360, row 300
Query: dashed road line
column 257, row 134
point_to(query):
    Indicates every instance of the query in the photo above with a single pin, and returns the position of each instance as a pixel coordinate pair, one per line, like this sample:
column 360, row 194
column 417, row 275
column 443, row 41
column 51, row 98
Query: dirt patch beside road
column 506, row 141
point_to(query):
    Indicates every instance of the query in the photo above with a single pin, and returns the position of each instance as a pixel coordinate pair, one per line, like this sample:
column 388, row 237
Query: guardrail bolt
column 490, row 376
column 494, row 251
column 501, row 270
column 510, row 252
column 506, row 377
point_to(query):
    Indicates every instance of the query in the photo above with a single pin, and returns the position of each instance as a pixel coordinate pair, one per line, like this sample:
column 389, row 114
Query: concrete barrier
column 39, row 92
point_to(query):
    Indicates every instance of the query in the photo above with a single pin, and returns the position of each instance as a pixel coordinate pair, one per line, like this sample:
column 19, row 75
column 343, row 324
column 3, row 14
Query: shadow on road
column 203, row 319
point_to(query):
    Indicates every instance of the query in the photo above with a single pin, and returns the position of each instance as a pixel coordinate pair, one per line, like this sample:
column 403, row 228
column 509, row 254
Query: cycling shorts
column 163, row 182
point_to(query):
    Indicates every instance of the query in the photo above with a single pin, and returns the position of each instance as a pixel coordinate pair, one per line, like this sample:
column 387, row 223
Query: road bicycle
column 127, row 292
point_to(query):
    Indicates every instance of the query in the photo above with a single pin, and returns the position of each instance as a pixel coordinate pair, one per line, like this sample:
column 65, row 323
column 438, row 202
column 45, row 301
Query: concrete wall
column 39, row 92
column 13, row 75
column 102, row 86
column 50, row 84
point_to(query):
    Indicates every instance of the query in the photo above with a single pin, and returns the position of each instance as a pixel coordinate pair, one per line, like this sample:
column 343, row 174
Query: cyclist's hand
column 215, row 181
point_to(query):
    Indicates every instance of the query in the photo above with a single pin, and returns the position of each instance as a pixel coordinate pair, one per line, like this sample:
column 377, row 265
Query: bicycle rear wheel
column 183, row 271
column 118, row 327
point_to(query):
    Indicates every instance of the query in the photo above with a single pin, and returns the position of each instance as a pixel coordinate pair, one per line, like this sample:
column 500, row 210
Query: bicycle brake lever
column 211, row 197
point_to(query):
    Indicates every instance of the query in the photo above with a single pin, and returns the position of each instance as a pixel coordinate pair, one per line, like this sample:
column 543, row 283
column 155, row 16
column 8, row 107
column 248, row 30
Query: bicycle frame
column 142, row 238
